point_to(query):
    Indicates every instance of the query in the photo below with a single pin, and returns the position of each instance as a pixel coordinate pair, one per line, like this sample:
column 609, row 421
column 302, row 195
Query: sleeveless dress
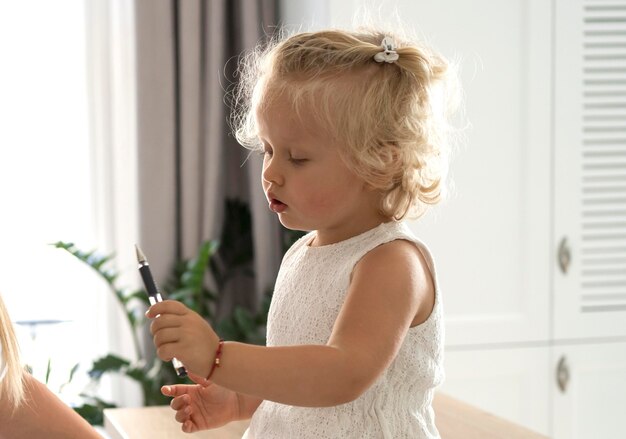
column 310, row 289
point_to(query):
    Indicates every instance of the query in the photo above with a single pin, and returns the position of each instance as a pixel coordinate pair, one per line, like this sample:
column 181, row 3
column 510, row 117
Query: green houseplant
column 223, row 259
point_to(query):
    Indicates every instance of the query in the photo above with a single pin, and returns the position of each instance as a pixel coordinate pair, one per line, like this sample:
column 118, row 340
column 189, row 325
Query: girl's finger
column 166, row 307
column 166, row 335
column 165, row 321
column 179, row 402
column 188, row 427
column 165, row 352
column 168, row 391
column 176, row 389
column 182, row 416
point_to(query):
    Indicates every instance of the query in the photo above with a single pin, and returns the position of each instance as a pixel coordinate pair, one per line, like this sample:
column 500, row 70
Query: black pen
column 154, row 296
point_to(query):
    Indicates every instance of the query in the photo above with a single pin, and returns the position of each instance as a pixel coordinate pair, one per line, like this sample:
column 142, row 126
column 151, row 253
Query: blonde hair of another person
column 11, row 386
column 391, row 119
column 28, row 409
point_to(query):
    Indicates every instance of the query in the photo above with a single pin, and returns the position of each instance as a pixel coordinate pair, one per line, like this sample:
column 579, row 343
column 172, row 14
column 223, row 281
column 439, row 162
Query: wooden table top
column 454, row 419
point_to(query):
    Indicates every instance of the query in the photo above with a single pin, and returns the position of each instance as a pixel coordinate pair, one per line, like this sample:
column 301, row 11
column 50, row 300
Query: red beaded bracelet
column 216, row 362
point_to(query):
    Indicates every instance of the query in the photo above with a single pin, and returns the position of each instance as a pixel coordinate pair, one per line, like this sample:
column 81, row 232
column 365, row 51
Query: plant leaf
column 73, row 372
column 48, row 370
column 108, row 363
column 93, row 411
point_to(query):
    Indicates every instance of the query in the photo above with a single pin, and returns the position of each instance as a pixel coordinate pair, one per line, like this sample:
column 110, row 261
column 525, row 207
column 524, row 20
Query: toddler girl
column 352, row 130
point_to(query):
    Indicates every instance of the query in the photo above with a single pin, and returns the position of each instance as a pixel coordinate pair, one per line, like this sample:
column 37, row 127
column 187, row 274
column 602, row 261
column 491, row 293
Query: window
column 46, row 184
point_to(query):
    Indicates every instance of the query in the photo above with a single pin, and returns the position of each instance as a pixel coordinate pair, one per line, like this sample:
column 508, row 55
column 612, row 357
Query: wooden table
column 454, row 419
column 159, row 423
column 458, row 420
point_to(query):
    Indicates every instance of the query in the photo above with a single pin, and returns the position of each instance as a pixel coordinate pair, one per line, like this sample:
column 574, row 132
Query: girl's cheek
column 323, row 200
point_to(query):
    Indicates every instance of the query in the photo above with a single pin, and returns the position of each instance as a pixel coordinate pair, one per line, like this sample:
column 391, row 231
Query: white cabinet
column 589, row 319
column 592, row 403
column 508, row 382
column 590, row 169
column 573, row 391
column 492, row 238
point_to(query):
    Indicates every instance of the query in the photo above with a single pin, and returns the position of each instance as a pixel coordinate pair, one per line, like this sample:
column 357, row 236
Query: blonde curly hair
column 390, row 118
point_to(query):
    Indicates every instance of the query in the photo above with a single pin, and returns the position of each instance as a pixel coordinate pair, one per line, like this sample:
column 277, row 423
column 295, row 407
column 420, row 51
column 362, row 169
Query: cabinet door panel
column 590, row 169
column 492, row 237
column 511, row 383
column 594, row 400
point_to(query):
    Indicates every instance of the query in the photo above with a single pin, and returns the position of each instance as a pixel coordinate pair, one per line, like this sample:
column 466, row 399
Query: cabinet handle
column 562, row 374
column 564, row 255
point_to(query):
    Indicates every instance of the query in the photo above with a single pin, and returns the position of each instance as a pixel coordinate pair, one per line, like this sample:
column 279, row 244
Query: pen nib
column 140, row 256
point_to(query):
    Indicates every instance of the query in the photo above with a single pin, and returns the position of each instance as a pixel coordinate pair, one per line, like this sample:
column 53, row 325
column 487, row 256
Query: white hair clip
column 389, row 53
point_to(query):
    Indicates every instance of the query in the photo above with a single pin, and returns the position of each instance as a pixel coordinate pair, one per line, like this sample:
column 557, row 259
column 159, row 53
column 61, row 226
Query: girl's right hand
column 202, row 406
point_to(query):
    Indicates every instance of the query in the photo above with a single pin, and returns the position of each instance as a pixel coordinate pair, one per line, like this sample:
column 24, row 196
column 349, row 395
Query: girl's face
column 307, row 183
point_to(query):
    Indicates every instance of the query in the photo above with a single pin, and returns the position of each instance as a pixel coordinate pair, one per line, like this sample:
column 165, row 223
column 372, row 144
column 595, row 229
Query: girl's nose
column 272, row 173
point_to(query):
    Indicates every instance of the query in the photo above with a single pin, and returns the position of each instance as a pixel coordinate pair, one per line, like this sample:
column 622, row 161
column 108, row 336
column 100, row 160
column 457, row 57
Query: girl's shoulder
column 404, row 233
column 402, row 250
column 397, row 235
column 396, row 242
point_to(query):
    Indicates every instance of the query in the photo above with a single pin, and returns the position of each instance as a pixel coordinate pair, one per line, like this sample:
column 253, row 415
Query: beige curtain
column 188, row 159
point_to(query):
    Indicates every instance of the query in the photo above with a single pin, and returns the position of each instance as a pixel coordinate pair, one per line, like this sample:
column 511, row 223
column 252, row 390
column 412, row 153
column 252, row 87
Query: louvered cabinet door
column 590, row 169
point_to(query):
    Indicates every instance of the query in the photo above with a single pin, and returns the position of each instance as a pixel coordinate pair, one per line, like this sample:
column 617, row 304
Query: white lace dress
column 310, row 290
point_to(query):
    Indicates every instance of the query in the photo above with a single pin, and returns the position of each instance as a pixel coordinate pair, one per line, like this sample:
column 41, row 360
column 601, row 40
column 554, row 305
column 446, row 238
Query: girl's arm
column 42, row 414
column 247, row 406
column 391, row 290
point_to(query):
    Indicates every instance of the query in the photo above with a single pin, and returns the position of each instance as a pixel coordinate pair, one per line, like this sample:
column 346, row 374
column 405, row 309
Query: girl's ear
column 368, row 187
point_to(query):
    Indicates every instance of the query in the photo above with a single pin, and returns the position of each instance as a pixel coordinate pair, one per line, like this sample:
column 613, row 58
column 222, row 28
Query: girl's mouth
column 277, row 205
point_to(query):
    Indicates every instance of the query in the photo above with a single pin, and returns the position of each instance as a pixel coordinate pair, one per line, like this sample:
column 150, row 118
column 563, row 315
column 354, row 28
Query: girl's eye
column 298, row 161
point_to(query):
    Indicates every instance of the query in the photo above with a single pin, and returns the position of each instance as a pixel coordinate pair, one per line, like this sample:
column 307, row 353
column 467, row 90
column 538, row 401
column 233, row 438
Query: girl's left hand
column 182, row 333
